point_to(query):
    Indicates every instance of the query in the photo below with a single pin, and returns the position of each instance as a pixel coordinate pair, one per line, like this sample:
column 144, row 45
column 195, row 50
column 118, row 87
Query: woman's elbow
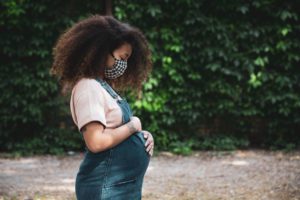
column 94, row 138
column 95, row 147
column 94, row 150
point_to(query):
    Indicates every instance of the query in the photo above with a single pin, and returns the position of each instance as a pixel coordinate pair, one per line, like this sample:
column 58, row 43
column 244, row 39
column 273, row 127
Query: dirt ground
column 251, row 174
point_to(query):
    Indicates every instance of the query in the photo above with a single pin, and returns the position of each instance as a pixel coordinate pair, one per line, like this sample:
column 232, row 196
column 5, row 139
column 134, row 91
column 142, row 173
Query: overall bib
column 116, row 173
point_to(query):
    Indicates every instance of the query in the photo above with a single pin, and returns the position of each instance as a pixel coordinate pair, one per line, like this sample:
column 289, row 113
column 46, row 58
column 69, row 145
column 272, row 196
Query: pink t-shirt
column 91, row 102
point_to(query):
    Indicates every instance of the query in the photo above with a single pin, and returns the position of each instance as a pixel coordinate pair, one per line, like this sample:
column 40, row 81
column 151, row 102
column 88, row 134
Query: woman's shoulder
column 85, row 85
column 85, row 82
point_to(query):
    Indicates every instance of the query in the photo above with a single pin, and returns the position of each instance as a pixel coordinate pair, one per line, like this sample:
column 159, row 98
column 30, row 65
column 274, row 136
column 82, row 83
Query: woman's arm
column 98, row 138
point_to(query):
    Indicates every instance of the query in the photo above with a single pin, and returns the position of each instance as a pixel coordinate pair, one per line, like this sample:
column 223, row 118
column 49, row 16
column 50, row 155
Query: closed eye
column 125, row 57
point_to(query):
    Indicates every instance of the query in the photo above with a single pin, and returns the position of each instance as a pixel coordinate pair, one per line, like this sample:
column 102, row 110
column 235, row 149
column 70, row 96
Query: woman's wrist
column 131, row 127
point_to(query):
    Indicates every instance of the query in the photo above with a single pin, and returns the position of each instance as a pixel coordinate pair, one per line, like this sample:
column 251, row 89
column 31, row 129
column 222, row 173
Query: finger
column 150, row 137
column 145, row 134
column 151, row 152
column 148, row 142
column 149, row 148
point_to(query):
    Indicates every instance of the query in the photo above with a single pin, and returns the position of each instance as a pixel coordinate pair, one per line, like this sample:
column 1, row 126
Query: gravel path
column 211, row 175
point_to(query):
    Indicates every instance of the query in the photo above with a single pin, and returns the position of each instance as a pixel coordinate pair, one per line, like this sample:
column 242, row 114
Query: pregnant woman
column 95, row 59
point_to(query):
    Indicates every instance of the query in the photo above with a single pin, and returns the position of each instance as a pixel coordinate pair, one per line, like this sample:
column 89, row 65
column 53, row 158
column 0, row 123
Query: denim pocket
column 121, row 183
column 127, row 189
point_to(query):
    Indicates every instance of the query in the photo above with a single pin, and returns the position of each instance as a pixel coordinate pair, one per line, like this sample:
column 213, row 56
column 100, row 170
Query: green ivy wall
column 226, row 73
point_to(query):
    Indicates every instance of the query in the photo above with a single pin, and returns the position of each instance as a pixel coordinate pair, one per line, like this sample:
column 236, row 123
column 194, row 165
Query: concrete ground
column 204, row 175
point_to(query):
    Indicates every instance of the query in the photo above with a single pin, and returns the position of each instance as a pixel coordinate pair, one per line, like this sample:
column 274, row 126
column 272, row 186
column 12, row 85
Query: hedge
column 222, row 69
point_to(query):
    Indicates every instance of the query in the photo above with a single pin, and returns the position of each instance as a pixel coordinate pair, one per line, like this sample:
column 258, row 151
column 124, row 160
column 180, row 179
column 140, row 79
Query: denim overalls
column 116, row 173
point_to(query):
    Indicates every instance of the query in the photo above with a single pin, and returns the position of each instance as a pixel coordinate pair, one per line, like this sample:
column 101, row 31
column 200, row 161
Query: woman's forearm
column 111, row 137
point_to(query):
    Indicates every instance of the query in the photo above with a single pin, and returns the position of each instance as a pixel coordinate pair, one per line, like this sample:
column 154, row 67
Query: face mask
column 117, row 69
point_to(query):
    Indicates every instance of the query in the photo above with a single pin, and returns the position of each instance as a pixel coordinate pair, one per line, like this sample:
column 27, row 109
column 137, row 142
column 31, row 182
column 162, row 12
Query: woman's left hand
column 149, row 145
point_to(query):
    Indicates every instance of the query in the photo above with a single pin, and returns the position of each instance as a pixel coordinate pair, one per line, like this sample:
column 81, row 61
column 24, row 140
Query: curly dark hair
column 82, row 51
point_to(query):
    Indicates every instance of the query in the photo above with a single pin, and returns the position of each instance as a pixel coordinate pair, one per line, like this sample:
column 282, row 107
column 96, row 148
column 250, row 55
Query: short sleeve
column 89, row 106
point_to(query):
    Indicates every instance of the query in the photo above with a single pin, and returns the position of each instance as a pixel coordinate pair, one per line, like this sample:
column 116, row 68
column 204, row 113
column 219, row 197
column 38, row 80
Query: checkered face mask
column 117, row 69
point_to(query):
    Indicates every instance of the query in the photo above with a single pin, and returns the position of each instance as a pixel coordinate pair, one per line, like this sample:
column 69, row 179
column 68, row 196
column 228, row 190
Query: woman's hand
column 149, row 145
column 135, row 124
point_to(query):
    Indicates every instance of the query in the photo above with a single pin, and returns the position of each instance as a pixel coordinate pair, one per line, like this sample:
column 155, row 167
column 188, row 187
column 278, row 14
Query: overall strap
column 108, row 88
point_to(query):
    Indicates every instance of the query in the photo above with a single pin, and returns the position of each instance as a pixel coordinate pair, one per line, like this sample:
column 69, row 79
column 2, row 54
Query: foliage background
column 226, row 73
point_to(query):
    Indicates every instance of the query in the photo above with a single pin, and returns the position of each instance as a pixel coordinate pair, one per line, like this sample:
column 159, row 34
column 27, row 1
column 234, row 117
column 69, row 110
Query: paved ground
column 204, row 175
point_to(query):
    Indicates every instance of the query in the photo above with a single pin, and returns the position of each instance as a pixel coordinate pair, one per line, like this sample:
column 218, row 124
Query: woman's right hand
column 135, row 124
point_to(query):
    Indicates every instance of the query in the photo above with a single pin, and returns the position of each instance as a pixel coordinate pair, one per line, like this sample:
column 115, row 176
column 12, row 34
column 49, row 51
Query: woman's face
column 121, row 53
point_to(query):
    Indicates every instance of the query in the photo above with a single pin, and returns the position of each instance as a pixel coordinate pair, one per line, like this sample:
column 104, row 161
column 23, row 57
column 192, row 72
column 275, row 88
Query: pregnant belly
column 124, row 164
column 129, row 160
